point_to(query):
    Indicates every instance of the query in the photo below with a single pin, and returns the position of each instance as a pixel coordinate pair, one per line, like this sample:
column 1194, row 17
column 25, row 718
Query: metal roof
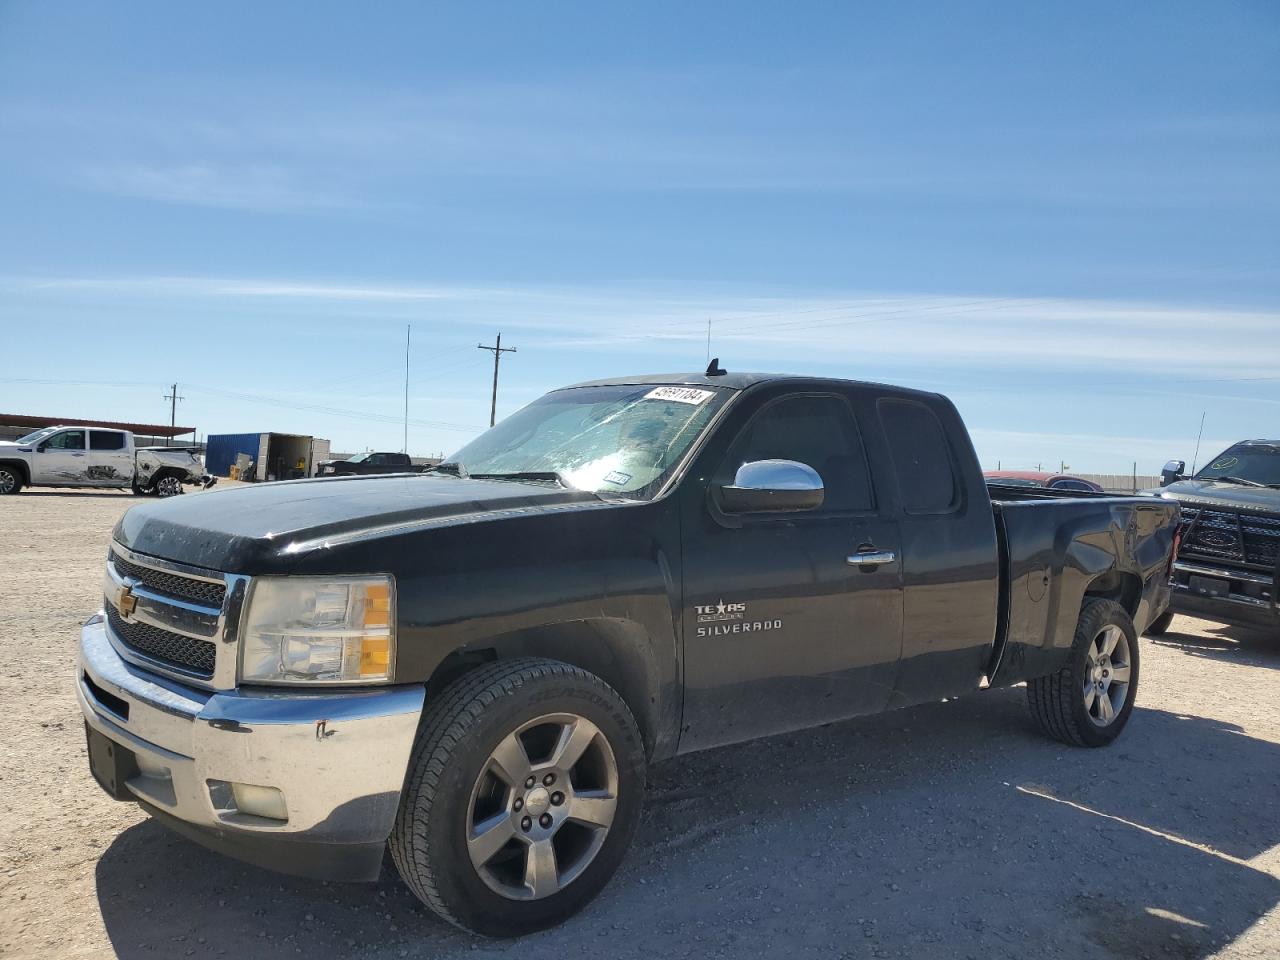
column 146, row 429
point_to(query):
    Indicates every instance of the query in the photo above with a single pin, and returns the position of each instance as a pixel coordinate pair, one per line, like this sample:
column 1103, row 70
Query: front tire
column 1088, row 702
column 523, row 793
column 10, row 481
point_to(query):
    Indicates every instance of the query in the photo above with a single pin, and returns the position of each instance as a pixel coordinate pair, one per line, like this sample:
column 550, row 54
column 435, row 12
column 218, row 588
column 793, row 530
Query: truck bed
column 1056, row 547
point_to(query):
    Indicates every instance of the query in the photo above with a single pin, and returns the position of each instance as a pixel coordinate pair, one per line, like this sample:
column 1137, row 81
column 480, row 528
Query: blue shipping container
column 221, row 450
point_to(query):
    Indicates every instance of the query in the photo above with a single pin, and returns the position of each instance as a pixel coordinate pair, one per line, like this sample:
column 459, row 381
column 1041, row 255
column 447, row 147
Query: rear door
column 780, row 630
column 949, row 551
column 61, row 460
column 110, row 459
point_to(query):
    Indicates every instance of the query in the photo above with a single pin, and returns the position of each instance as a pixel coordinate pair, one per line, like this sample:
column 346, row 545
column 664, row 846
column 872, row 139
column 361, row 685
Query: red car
column 1035, row 478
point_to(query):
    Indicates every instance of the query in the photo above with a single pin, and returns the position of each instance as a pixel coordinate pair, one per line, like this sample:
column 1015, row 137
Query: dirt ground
column 950, row 830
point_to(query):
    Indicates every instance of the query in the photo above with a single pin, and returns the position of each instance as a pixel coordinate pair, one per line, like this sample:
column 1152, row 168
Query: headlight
column 318, row 630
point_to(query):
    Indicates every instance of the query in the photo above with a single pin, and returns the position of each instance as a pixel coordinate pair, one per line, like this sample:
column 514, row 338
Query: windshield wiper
column 550, row 476
column 1240, row 480
column 451, row 468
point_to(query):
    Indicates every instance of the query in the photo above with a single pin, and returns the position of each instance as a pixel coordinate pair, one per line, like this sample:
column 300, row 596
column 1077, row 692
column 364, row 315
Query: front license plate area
column 1210, row 586
column 111, row 764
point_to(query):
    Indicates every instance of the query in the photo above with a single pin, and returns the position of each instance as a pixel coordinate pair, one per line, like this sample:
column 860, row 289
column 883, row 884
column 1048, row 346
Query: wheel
column 10, row 480
column 523, row 792
column 142, row 491
column 1160, row 624
column 1087, row 703
column 168, row 486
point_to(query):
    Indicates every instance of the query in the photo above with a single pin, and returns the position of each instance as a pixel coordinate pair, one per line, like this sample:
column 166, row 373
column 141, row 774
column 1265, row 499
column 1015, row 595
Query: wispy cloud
column 1016, row 335
column 271, row 188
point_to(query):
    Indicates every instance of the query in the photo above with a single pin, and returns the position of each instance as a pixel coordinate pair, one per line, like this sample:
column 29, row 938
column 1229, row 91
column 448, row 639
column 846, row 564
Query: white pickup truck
column 78, row 456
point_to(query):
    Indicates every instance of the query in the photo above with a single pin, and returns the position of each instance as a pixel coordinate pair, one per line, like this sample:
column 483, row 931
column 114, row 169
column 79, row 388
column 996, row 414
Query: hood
column 239, row 529
column 1211, row 493
column 10, row 445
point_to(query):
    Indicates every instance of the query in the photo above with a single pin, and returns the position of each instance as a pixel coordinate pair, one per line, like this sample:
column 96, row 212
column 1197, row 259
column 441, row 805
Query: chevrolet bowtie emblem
column 126, row 602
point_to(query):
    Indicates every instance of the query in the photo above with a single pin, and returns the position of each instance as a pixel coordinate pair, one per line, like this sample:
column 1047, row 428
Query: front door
column 781, row 631
column 61, row 460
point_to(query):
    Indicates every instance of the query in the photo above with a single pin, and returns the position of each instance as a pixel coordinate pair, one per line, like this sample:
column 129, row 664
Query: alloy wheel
column 169, row 487
column 542, row 806
column 8, row 482
column 1107, row 671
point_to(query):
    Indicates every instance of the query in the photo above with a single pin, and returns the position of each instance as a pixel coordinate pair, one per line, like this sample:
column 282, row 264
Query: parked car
column 1036, row 478
column 1228, row 558
column 75, row 456
column 477, row 665
column 365, row 463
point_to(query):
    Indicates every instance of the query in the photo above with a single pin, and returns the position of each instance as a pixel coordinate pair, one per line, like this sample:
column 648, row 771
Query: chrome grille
column 1239, row 538
column 172, row 585
column 187, row 654
column 173, row 618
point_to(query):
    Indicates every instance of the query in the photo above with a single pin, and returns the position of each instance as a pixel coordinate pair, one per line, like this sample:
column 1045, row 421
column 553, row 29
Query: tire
column 10, row 480
column 1067, row 705
column 142, row 491
column 458, row 779
column 168, row 485
column 1160, row 624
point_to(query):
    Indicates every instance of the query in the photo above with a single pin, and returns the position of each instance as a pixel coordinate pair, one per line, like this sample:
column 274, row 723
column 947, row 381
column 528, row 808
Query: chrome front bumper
column 337, row 756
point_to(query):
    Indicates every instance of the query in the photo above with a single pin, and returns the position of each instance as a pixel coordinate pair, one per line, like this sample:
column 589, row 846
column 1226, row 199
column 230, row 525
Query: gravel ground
column 950, row 830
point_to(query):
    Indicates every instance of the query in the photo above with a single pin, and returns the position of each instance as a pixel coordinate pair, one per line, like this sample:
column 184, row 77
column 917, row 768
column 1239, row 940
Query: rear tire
column 540, row 757
column 1088, row 702
column 10, row 480
column 1160, row 624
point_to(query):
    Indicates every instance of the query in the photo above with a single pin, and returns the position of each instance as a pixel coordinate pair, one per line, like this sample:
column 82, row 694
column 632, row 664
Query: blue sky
column 1065, row 217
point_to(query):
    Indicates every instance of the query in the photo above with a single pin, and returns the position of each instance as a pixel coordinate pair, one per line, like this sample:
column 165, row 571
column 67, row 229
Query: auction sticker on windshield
column 690, row 395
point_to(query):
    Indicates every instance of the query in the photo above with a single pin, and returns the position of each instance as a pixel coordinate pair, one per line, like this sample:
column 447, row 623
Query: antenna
column 714, row 369
column 1196, row 458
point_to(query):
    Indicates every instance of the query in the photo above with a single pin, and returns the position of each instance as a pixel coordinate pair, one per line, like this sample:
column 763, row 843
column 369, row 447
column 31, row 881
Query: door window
column 66, row 440
column 818, row 431
column 921, row 457
column 106, row 440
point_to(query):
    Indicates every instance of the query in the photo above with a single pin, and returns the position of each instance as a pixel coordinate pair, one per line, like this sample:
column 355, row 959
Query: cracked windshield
column 622, row 440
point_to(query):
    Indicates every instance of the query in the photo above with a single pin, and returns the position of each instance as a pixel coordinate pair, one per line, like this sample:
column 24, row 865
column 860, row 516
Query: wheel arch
column 22, row 468
column 1123, row 587
column 619, row 652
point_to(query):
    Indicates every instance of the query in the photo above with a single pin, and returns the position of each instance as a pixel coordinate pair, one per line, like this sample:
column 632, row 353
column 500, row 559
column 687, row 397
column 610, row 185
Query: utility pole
column 173, row 399
column 498, row 350
column 407, row 330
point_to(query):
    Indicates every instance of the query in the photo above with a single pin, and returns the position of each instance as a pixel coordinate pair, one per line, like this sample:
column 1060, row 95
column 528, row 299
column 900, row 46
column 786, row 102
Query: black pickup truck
column 477, row 665
column 363, row 464
column 1228, row 563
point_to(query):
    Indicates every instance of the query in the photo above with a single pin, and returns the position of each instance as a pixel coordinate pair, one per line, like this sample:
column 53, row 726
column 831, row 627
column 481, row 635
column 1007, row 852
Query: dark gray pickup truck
column 1228, row 563
column 476, row 665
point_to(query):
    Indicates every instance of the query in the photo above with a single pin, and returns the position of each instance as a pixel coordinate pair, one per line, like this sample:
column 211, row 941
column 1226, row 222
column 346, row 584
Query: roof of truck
column 734, row 381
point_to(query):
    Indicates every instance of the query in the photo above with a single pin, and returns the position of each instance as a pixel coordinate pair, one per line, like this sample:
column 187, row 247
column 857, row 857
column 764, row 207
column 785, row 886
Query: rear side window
column 106, row 440
column 818, row 431
column 921, row 457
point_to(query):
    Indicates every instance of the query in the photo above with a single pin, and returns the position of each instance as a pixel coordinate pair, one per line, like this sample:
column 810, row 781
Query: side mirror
column 1173, row 471
column 772, row 486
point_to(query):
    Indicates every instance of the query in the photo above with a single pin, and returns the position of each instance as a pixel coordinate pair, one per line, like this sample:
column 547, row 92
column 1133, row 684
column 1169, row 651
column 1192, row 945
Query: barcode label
column 690, row 395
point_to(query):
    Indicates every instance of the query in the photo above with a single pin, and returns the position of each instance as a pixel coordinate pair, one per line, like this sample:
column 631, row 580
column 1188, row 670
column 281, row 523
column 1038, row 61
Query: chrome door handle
column 872, row 558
